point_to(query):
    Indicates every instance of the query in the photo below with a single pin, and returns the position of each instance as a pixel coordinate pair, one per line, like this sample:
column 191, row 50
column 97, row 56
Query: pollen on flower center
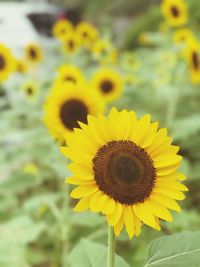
column 195, row 60
column 175, row 11
column 106, row 86
column 2, row 62
column 73, row 111
column 124, row 171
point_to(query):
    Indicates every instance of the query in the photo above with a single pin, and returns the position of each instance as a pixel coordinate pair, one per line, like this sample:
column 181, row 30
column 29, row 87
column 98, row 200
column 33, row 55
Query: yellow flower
column 129, row 61
column 183, row 36
column 6, row 62
column 33, row 53
column 67, row 105
column 21, row 65
column 70, row 42
column 175, row 12
column 70, row 73
column 101, row 48
column 30, row 89
column 126, row 169
column 130, row 79
column 61, row 28
column 193, row 59
column 108, row 84
column 87, row 34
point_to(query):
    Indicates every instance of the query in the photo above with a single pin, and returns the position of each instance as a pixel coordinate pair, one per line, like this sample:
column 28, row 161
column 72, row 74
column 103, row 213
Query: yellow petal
column 81, row 171
column 173, row 176
column 78, row 181
column 128, row 220
column 158, row 209
column 167, row 160
column 158, row 140
column 115, row 216
column 142, row 128
column 169, row 192
column 167, row 170
column 148, row 138
column 119, row 226
column 171, row 184
column 145, row 216
column 137, row 224
column 83, row 190
column 109, row 206
column 82, row 205
column 166, row 201
column 94, row 201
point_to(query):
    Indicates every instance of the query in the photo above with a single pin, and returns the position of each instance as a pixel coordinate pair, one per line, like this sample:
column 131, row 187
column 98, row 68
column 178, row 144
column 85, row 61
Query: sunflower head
column 33, row 53
column 61, row 28
column 175, row 12
column 183, row 36
column 68, row 104
column 192, row 53
column 87, row 34
column 70, row 42
column 6, row 62
column 126, row 169
column 108, row 84
column 69, row 73
column 30, row 90
column 21, row 66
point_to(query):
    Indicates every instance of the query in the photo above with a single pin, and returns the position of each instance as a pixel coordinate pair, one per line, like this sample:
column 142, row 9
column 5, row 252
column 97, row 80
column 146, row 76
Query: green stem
column 111, row 247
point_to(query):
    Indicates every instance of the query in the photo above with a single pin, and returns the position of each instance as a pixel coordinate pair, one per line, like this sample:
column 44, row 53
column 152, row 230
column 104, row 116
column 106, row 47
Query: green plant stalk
column 111, row 247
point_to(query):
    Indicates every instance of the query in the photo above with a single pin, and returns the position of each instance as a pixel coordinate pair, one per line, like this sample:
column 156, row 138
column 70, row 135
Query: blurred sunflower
column 175, row 12
column 6, row 62
column 87, row 34
column 70, row 42
column 30, row 168
column 70, row 73
column 21, row 65
column 193, row 59
column 61, row 28
column 33, row 53
column 126, row 169
column 108, row 84
column 64, row 108
column 101, row 48
column 129, row 61
column 183, row 36
column 30, row 89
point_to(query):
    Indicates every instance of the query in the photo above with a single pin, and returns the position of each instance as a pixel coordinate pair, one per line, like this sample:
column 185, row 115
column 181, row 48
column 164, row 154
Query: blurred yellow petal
column 84, row 190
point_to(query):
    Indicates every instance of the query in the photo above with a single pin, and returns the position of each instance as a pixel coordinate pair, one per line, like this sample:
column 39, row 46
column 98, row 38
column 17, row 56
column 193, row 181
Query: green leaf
column 91, row 254
column 176, row 250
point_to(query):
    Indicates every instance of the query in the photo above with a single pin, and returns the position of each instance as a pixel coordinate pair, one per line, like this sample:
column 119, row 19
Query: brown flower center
column 195, row 60
column 70, row 44
column 2, row 62
column 175, row 11
column 29, row 91
column 124, row 171
column 70, row 79
column 73, row 111
column 106, row 86
column 33, row 53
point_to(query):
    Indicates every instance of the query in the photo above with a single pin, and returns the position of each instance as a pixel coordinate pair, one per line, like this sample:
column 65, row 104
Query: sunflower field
column 99, row 140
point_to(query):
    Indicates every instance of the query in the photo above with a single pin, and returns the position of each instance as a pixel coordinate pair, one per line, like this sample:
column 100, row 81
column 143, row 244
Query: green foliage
column 176, row 250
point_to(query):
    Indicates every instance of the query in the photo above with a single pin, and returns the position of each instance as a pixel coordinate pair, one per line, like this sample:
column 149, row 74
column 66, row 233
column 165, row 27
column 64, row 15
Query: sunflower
column 33, row 53
column 61, row 28
column 64, row 108
column 175, row 12
column 126, row 169
column 30, row 89
column 183, row 36
column 70, row 73
column 193, row 59
column 70, row 43
column 108, row 84
column 20, row 66
column 129, row 61
column 87, row 34
column 6, row 62
column 101, row 48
